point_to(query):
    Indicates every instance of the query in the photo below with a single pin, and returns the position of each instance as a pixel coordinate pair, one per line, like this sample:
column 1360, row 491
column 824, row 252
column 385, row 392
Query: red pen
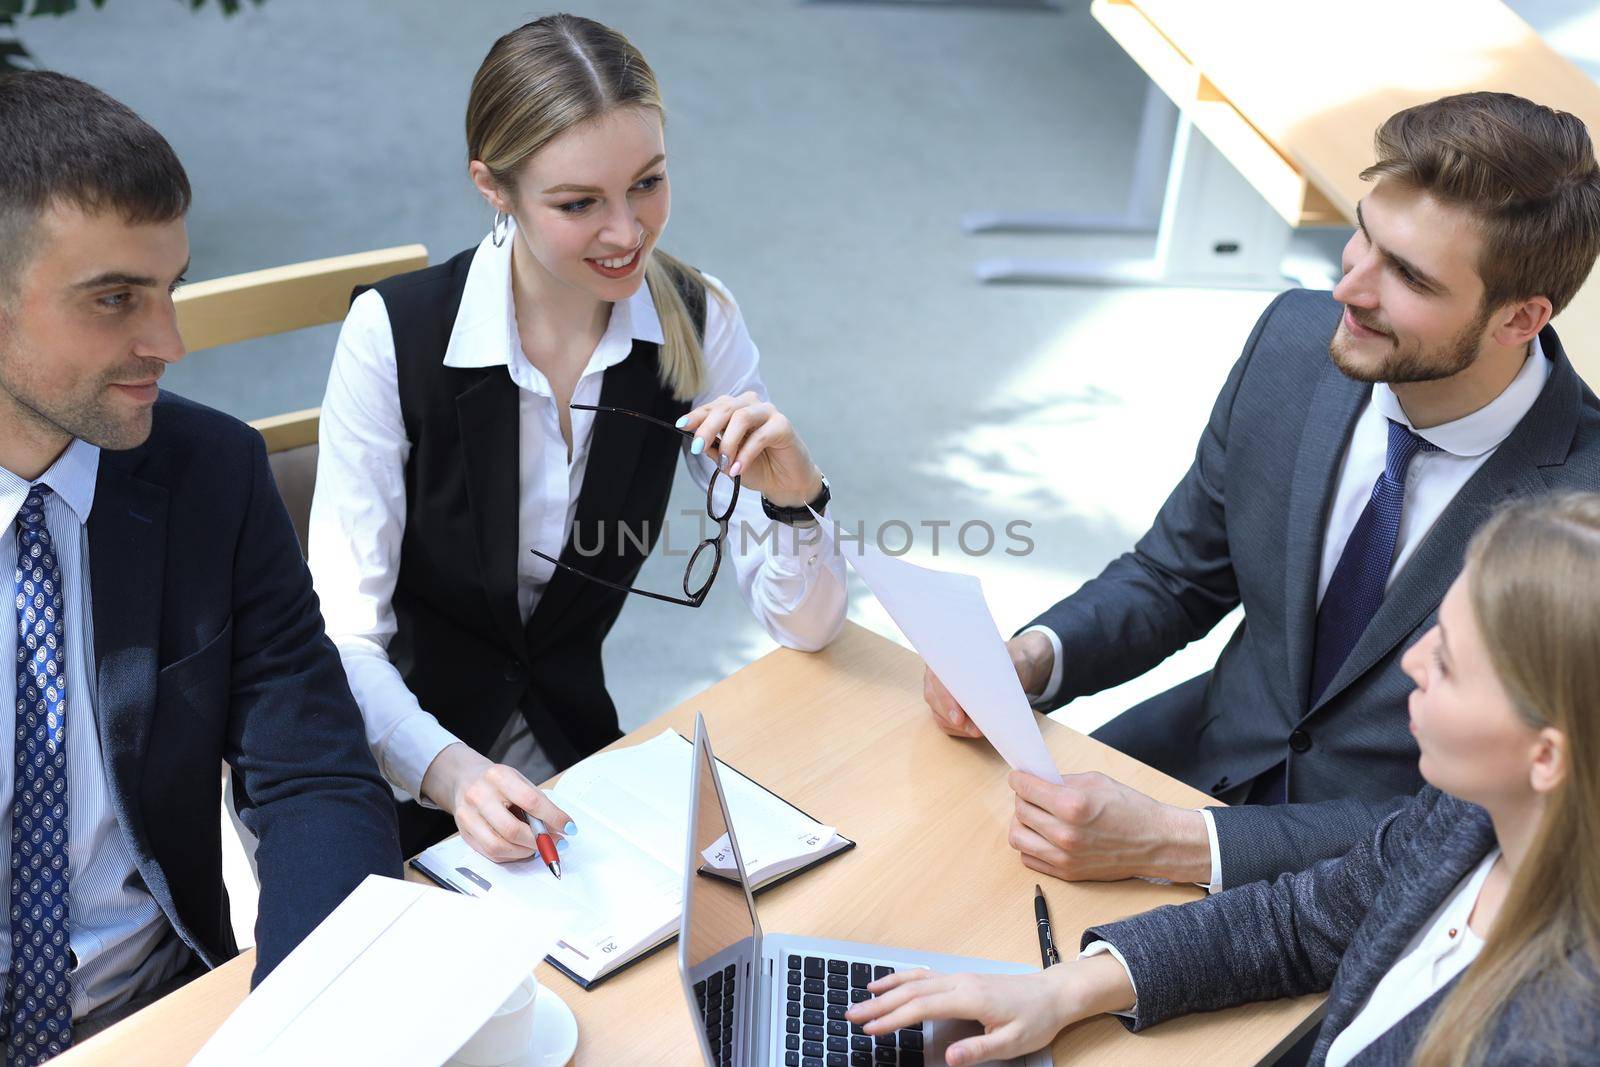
column 547, row 847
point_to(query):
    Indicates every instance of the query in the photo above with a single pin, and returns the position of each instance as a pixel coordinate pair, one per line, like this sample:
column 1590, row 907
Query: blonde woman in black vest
column 477, row 524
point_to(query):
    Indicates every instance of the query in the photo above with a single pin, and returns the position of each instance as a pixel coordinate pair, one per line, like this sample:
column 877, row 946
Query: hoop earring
column 498, row 231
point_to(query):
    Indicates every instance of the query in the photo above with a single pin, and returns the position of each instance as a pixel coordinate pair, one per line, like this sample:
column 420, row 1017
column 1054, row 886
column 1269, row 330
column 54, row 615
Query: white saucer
column 555, row 1033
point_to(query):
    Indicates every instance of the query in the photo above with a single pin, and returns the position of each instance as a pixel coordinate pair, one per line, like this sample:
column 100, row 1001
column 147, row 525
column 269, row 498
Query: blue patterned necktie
column 38, row 1009
column 1355, row 591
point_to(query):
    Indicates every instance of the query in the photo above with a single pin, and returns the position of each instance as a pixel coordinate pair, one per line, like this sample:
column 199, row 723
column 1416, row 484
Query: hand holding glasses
column 706, row 559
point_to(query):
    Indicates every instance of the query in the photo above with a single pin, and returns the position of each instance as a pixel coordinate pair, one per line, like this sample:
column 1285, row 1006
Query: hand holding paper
column 1031, row 654
column 944, row 616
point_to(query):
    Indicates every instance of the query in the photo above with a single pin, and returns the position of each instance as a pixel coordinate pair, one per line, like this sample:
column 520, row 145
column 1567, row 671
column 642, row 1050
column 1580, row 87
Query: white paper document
column 399, row 974
column 945, row 617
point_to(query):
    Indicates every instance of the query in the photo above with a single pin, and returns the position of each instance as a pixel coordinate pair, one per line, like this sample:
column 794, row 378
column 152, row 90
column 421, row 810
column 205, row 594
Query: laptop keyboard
column 816, row 1034
column 715, row 995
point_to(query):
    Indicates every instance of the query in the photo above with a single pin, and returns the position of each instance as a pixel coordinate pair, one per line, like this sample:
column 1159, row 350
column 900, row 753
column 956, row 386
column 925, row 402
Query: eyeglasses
column 707, row 558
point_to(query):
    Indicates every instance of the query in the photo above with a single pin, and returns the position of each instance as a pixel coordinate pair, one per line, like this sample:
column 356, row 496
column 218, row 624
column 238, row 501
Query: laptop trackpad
column 940, row 1034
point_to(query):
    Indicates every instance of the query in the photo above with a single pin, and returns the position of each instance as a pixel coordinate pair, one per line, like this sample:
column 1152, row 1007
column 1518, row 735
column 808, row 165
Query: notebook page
column 618, row 896
column 642, row 792
column 773, row 836
column 622, row 872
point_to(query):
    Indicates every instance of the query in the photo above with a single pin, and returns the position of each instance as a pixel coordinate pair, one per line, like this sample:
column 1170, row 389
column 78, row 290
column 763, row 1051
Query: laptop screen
column 718, row 937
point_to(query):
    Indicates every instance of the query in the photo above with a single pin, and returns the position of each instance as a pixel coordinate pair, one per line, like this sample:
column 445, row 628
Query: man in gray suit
column 1360, row 439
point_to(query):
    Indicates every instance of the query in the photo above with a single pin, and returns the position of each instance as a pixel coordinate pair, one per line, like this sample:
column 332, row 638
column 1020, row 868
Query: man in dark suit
column 1359, row 441
column 192, row 639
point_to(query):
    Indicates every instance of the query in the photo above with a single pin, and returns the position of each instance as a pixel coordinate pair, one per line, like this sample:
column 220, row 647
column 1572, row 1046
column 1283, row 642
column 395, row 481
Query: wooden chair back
column 261, row 303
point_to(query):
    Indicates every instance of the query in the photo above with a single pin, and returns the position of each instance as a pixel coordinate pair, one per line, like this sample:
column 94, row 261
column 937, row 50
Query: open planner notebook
column 622, row 873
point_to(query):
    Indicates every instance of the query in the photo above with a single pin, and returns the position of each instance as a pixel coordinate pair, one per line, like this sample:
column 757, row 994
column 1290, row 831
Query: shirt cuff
column 798, row 550
column 1052, row 686
column 1215, row 885
column 1097, row 948
column 410, row 749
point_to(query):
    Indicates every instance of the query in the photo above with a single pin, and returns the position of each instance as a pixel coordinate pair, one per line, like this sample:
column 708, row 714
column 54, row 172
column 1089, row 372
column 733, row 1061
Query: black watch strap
column 790, row 516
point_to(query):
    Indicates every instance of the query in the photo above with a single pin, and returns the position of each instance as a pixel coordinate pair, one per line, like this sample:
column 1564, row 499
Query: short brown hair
column 1526, row 171
column 66, row 140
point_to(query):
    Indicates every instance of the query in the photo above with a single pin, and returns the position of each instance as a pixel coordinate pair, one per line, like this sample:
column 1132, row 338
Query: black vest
column 460, row 643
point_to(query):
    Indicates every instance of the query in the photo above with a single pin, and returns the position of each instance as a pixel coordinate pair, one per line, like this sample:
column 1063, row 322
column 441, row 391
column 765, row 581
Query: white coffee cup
column 506, row 1035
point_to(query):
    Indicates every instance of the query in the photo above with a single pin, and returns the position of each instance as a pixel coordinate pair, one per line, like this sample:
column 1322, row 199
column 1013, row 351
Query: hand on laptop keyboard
column 1019, row 1012
column 819, row 993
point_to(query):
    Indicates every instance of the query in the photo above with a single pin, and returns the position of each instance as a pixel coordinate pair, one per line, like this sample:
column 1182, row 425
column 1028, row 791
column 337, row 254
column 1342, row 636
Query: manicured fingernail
column 681, row 423
column 733, row 471
column 698, row 447
column 563, row 845
column 569, row 829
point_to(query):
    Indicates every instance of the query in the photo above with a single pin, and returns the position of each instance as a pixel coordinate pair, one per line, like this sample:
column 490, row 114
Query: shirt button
column 1453, row 933
column 513, row 671
column 1300, row 741
column 812, row 562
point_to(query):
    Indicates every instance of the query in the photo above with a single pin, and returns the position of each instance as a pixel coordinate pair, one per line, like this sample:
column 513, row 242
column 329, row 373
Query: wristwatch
column 790, row 516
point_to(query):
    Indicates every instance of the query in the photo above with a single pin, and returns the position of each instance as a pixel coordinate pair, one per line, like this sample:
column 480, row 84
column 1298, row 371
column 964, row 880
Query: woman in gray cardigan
column 1467, row 929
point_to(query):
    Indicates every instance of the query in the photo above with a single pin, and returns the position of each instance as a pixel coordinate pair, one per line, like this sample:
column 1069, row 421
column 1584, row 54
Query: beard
column 1410, row 361
column 86, row 409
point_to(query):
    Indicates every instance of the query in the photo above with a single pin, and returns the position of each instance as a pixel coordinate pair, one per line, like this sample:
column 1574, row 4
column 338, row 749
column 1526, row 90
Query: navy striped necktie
column 1356, row 589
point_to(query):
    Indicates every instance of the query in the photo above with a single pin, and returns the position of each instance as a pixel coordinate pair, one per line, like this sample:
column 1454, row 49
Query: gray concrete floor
column 822, row 155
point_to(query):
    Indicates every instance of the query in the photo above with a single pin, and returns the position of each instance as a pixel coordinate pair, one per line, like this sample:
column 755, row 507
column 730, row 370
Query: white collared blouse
column 358, row 512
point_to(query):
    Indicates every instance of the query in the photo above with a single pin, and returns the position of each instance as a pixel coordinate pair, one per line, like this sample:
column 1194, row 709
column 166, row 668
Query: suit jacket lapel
column 1402, row 907
column 127, row 556
column 614, row 454
column 1541, row 439
column 490, row 444
column 1335, row 407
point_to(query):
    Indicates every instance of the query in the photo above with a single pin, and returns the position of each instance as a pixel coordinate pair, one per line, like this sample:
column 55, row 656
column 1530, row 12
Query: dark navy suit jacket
column 209, row 647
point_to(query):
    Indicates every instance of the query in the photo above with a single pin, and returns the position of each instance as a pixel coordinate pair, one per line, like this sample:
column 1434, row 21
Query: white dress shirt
column 794, row 586
column 123, row 943
column 1441, row 950
column 1432, row 481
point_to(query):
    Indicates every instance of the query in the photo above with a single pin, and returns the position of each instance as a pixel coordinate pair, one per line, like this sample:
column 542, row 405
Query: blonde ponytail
column 683, row 365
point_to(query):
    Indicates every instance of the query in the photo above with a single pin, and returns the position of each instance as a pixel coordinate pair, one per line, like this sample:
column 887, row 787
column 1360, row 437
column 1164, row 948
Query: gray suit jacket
column 1246, row 526
column 1341, row 926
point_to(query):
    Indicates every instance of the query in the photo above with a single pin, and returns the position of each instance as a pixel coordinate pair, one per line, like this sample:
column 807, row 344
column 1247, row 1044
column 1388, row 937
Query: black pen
column 1047, row 944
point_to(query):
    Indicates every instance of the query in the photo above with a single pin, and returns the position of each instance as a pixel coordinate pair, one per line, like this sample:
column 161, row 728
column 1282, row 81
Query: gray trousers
column 85, row 1028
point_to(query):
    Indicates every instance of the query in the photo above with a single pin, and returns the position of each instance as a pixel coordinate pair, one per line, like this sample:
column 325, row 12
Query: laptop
column 761, row 999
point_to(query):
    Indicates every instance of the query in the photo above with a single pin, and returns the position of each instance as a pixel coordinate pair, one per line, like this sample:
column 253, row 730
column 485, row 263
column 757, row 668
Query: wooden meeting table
column 845, row 736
